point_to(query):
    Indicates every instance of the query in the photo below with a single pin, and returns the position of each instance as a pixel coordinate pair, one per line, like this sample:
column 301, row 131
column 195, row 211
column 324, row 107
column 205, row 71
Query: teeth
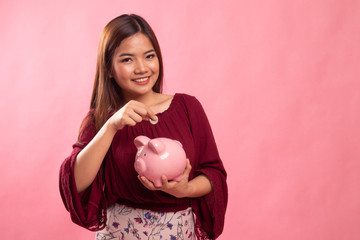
column 141, row 79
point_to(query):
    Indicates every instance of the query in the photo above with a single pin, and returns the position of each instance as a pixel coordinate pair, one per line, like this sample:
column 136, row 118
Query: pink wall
column 280, row 82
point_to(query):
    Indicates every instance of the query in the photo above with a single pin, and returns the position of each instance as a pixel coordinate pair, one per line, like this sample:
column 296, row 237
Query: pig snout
column 140, row 166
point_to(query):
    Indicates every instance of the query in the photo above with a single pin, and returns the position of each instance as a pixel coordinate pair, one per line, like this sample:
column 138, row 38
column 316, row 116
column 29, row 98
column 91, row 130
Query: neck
column 146, row 99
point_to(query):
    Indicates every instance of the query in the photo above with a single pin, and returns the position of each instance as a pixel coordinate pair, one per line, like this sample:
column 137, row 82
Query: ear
column 141, row 141
column 111, row 73
column 157, row 146
column 178, row 143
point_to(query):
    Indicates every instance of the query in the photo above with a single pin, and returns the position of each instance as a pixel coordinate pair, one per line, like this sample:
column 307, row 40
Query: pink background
column 279, row 80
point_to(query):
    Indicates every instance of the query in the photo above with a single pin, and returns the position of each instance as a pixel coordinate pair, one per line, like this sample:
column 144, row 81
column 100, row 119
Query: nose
column 140, row 165
column 140, row 67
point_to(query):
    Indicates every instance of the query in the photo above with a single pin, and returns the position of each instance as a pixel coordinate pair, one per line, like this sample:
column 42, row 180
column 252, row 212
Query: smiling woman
column 135, row 64
column 98, row 183
column 116, row 36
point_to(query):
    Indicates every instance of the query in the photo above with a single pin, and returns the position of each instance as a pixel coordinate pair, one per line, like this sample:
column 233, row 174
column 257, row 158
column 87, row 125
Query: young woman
column 98, row 183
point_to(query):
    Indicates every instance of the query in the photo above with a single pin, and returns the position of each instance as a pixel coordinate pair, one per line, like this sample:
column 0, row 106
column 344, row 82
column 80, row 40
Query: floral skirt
column 129, row 223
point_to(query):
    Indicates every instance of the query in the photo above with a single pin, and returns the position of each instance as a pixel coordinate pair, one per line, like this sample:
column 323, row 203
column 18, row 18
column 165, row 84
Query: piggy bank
column 159, row 156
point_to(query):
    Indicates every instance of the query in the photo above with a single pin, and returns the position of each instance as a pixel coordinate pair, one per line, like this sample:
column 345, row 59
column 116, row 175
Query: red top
column 185, row 121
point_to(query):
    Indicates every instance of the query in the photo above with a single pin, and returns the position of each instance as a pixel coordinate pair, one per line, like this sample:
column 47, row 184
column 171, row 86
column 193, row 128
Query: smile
column 141, row 80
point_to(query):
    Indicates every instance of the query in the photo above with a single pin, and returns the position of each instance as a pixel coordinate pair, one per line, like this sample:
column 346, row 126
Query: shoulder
column 186, row 97
column 188, row 100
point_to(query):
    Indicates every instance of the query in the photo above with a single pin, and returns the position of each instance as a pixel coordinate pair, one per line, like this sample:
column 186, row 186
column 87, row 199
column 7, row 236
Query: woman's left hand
column 179, row 189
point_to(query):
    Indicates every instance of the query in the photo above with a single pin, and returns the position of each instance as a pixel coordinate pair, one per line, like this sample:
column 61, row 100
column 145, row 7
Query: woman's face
column 135, row 66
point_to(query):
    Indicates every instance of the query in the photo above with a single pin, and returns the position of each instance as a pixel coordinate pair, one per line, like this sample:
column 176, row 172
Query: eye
column 144, row 154
column 150, row 56
column 126, row 60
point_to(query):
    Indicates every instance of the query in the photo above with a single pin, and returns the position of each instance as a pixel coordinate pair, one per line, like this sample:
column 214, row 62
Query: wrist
column 110, row 127
column 199, row 186
column 191, row 190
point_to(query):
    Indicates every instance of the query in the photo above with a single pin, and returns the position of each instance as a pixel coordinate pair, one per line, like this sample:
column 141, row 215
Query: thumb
column 187, row 168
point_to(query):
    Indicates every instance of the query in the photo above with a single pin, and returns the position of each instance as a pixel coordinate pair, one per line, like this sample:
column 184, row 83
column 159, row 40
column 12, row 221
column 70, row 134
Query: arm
column 210, row 209
column 89, row 160
column 80, row 171
column 199, row 186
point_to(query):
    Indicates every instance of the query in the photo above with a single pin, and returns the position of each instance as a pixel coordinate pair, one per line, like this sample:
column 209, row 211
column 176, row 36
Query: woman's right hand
column 89, row 160
column 130, row 114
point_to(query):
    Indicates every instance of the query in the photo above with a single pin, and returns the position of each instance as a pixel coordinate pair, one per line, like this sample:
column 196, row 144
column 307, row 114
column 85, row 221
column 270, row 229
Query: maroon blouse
column 185, row 121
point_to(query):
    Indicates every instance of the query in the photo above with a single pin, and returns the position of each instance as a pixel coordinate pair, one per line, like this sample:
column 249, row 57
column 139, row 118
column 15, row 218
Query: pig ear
column 157, row 146
column 141, row 141
column 178, row 143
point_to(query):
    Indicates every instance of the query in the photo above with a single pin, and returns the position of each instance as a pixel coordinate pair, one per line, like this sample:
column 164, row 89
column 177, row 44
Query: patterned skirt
column 129, row 223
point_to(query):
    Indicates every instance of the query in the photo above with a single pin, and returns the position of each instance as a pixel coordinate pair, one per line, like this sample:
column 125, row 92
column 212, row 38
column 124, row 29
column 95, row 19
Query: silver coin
column 154, row 121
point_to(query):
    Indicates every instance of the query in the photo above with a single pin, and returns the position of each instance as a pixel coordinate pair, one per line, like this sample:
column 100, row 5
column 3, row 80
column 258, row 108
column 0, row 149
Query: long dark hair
column 107, row 95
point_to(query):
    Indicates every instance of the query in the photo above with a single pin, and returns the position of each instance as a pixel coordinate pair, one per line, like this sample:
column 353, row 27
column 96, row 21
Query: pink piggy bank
column 159, row 156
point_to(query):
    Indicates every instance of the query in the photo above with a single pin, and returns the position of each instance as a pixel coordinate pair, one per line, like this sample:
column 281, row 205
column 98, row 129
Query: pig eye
column 144, row 154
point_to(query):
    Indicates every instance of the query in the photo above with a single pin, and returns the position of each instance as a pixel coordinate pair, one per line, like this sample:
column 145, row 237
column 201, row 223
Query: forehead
column 138, row 42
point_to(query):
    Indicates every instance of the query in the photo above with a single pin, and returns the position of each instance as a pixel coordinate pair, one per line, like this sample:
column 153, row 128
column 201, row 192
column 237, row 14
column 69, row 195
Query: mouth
column 141, row 81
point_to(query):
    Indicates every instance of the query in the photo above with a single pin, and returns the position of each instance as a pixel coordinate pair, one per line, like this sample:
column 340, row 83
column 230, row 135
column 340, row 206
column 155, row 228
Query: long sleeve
column 88, row 208
column 185, row 121
column 210, row 209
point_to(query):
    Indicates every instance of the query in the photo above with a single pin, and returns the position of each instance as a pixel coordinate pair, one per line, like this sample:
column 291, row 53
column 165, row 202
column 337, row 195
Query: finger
column 146, row 113
column 141, row 111
column 140, row 179
column 143, row 182
column 130, row 122
column 135, row 116
column 148, row 184
column 164, row 181
column 151, row 114
column 187, row 168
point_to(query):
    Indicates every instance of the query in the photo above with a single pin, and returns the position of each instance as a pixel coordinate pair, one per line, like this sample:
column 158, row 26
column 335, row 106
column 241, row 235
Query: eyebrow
column 130, row 54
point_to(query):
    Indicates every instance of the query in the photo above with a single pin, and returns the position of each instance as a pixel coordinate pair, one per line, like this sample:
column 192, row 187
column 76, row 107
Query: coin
column 154, row 121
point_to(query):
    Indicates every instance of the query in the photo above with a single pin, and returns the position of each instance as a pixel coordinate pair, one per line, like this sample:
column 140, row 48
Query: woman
column 98, row 183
